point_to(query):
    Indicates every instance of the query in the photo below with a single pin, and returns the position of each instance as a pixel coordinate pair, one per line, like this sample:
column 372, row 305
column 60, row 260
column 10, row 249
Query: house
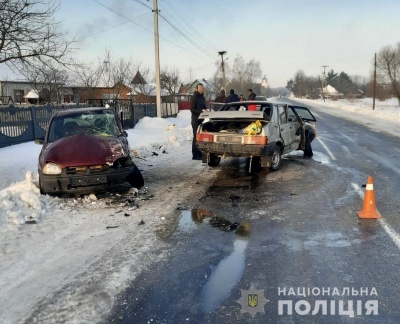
column 331, row 92
column 185, row 92
column 143, row 91
column 25, row 92
column 118, row 91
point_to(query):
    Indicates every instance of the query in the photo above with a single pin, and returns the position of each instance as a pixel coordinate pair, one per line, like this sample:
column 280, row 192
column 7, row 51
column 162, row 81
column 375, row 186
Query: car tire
column 135, row 178
column 276, row 158
column 214, row 160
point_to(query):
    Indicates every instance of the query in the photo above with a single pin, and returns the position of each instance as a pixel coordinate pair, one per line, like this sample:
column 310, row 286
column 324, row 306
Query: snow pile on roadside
column 16, row 160
column 155, row 136
column 387, row 110
column 22, row 202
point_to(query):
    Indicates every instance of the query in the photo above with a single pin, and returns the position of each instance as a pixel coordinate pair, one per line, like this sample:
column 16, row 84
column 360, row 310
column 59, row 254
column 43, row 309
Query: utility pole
column 322, row 89
column 325, row 66
column 157, row 58
column 222, row 53
column 373, row 102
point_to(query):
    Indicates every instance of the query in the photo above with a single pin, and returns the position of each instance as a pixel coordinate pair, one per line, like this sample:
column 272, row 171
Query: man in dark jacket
column 221, row 98
column 252, row 95
column 233, row 97
column 197, row 106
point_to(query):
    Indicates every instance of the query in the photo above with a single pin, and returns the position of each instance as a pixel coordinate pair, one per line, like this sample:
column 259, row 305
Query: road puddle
column 225, row 277
column 229, row 270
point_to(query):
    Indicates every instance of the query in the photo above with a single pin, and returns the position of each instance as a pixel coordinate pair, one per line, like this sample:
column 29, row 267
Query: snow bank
column 22, row 202
column 155, row 136
column 386, row 110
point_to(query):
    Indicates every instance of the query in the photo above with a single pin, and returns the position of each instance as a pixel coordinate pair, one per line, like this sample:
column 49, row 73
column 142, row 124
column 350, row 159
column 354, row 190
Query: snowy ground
column 385, row 117
column 64, row 260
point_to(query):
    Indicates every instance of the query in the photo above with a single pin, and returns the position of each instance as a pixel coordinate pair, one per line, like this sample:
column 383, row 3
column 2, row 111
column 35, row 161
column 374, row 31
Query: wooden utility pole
column 157, row 58
column 373, row 102
column 222, row 53
column 322, row 88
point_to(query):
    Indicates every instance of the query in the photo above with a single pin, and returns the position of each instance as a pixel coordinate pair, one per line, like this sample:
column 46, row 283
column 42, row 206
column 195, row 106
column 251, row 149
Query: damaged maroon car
column 86, row 150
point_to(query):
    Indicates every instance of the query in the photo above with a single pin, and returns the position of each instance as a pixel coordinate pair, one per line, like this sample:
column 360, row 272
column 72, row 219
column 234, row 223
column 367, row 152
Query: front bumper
column 83, row 183
column 226, row 149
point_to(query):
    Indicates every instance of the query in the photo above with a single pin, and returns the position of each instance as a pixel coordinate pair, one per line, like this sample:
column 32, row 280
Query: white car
column 260, row 130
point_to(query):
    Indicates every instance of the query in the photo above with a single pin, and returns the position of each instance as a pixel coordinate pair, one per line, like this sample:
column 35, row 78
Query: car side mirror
column 39, row 141
column 290, row 119
column 125, row 133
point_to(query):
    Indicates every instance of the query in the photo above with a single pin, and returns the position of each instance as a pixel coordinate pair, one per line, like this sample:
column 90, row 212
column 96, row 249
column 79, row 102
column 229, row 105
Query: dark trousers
column 195, row 151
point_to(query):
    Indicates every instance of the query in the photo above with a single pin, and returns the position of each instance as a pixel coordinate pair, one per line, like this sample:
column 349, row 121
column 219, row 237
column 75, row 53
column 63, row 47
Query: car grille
column 88, row 169
column 230, row 139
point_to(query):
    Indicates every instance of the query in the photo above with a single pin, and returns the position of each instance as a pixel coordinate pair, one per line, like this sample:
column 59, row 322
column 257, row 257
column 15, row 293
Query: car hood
column 79, row 150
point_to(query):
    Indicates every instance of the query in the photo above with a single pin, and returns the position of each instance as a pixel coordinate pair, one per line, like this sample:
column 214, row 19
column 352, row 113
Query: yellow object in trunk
column 253, row 129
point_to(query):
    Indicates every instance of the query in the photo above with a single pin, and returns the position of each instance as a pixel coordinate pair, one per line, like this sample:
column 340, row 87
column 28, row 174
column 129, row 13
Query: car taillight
column 200, row 137
column 260, row 140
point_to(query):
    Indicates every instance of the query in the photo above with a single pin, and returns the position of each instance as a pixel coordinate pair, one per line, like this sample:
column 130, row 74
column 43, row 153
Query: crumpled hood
column 80, row 150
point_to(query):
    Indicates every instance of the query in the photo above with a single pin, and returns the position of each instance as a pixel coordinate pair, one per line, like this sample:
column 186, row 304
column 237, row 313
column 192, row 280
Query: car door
column 284, row 126
column 295, row 129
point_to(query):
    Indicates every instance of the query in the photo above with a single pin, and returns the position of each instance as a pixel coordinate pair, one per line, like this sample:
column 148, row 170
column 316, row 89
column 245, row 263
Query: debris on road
column 141, row 222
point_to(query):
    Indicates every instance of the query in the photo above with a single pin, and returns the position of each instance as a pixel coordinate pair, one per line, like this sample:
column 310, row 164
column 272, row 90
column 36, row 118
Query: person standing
column 221, row 98
column 252, row 95
column 197, row 106
column 233, row 97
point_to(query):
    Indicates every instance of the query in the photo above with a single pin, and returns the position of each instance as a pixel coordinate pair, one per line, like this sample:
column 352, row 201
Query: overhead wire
column 189, row 24
column 148, row 30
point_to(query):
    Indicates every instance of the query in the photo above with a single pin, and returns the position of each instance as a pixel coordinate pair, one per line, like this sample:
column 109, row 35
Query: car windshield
column 99, row 123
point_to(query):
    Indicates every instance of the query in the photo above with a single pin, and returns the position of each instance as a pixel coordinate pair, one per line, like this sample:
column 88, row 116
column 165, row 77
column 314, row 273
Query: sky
column 284, row 36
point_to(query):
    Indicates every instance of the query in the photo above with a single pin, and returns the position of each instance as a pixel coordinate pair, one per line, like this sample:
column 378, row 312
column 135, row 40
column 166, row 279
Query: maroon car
column 86, row 150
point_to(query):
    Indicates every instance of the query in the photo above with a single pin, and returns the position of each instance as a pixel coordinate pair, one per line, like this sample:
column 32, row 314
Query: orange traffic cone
column 368, row 209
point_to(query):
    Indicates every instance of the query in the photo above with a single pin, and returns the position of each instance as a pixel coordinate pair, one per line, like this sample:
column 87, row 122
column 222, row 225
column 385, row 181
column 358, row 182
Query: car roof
column 80, row 110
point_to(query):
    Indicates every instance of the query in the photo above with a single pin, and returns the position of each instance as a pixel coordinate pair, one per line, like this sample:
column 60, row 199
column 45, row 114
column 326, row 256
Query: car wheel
column 213, row 160
column 135, row 178
column 276, row 158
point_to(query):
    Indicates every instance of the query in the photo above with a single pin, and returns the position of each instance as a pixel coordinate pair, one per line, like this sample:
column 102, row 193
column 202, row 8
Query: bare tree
column 170, row 80
column 28, row 33
column 48, row 79
column 388, row 68
column 241, row 75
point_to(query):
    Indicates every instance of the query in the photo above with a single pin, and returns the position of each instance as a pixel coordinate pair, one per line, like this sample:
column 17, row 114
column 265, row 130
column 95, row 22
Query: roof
column 138, row 79
column 33, row 94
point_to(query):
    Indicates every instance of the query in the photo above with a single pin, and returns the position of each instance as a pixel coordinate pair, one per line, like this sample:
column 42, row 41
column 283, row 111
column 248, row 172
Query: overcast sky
column 284, row 35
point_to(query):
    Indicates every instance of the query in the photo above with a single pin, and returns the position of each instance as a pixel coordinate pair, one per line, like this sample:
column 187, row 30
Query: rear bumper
column 84, row 183
column 236, row 149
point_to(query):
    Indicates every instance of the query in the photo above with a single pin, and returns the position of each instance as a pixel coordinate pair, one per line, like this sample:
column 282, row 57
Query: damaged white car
column 262, row 131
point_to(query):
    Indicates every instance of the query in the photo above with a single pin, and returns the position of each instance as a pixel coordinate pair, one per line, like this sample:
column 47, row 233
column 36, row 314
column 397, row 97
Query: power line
column 179, row 31
column 185, row 36
column 146, row 29
column 188, row 23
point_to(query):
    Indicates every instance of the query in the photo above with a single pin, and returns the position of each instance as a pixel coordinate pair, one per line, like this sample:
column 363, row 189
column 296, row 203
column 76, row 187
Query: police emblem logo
column 252, row 301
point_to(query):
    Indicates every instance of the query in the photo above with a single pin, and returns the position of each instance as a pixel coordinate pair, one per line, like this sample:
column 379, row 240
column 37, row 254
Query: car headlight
column 51, row 168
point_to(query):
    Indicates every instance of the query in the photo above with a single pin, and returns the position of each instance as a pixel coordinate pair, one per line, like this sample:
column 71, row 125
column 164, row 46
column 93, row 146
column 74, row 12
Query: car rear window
column 99, row 123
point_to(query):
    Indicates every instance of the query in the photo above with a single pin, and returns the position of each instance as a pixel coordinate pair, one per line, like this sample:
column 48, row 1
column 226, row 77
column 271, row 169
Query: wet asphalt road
column 293, row 228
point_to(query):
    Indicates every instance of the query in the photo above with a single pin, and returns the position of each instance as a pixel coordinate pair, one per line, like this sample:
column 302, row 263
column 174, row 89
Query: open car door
column 304, row 114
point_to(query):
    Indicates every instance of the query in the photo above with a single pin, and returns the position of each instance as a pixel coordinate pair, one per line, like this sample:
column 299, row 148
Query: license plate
column 89, row 181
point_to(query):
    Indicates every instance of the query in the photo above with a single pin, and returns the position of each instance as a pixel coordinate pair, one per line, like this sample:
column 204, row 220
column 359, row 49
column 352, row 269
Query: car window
column 99, row 123
column 305, row 114
column 291, row 115
column 282, row 114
